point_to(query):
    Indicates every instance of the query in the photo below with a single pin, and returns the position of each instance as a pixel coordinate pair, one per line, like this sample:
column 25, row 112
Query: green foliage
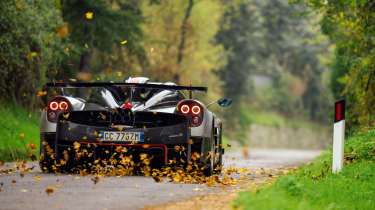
column 272, row 38
column 18, row 128
column 111, row 23
column 162, row 29
column 29, row 47
column 351, row 25
column 108, row 35
column 235, row 36
column 315, row 187
column 260, row 117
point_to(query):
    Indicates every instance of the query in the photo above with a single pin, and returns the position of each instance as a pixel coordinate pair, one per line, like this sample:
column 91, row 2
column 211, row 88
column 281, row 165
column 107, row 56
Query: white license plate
column 122, row 136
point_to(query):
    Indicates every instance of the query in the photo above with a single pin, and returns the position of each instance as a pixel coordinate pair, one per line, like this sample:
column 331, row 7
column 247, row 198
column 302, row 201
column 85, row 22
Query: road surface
column 134, row 192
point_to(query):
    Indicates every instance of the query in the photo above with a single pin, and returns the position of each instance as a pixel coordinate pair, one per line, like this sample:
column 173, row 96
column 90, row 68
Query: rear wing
column 135, row 85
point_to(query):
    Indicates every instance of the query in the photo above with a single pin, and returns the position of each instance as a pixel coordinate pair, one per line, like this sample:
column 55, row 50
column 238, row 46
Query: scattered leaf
column 157, row 178
column 50, row 190
column 31, row 55
column 66, row 115
column 95, row 179
column 62, row 31
column 41, row 93
column 76, row 145
column 37, row 178
column 89, row 15
column 32, row 146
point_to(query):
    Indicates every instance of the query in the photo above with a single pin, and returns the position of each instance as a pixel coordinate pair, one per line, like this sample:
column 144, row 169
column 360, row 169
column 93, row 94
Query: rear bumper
column 174, row 134
column 86, row 127
column 156, row 128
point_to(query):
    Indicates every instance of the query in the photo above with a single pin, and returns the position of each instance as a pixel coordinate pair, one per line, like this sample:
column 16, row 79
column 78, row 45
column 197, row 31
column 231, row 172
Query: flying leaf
column 89, row 15
column 41, row 93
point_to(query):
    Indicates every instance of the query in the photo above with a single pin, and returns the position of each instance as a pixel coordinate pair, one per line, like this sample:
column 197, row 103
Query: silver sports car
column 139, row 115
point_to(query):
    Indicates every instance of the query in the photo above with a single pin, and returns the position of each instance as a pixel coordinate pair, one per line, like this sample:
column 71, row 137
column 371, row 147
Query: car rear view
column 85, row 129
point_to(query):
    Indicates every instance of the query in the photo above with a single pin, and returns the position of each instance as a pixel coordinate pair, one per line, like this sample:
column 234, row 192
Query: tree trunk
column 84, row 63
column 181, row 46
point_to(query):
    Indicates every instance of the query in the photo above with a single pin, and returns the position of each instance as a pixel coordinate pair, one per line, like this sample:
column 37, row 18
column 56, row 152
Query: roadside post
column 338, row 137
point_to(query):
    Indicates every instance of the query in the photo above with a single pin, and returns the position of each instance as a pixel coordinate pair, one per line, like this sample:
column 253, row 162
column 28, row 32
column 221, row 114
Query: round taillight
column 196, row 109
column 54, row 105
column 185, row 109
column 63, row 105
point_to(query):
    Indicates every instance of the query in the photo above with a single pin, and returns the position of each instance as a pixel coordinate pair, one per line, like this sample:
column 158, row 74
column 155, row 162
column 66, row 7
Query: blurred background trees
column 266, row 55
column 350, row 25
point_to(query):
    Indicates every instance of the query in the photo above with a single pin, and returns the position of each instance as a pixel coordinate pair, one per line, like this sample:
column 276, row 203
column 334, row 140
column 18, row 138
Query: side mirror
column 224, row 102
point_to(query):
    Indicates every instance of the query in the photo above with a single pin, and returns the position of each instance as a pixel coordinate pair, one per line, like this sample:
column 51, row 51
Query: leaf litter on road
column 122, row 163
column 50, row 190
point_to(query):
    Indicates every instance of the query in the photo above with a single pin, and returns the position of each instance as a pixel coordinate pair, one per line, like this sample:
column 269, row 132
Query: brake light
column 55, row 107
column 196, row 110
column 127, row 105
column 185, row 109
column 63, row 105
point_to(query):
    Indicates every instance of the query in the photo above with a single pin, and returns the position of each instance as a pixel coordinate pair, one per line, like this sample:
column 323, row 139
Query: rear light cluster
column 57, row 106
column 192, row 110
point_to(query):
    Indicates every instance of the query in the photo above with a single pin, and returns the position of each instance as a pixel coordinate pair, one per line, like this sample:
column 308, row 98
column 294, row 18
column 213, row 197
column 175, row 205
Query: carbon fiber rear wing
column 135, row 85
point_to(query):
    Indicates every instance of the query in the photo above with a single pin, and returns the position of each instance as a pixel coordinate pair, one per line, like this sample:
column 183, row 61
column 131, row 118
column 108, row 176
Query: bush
column 29, row 46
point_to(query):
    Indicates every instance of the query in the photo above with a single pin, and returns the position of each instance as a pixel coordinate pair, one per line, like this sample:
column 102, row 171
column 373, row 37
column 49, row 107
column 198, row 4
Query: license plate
column 122, row 136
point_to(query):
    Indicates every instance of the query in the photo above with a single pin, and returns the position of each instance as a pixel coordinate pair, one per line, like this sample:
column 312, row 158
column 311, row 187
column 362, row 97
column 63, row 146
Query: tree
column 195, row 61
column 351, row 25
column 239, row 35
column 184, row 29
column 29, row 47
column 272, row 38
column 103, row 25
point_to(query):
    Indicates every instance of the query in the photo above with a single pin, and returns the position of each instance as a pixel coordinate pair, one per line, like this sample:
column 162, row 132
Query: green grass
column 18, row 128
column 250, row 115
column 315, row 187
column 260, row 117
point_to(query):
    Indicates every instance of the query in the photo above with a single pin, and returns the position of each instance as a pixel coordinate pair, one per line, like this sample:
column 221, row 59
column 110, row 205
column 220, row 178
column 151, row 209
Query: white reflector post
column 338, row 137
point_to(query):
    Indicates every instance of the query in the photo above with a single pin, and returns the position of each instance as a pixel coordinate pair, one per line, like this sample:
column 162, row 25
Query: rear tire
column 209, row 169
column 219, row 164
column 210, row 162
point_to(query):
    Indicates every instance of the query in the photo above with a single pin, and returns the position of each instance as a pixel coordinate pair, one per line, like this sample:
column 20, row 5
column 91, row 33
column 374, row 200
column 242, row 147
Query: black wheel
column 210, row 161
column 219, row 151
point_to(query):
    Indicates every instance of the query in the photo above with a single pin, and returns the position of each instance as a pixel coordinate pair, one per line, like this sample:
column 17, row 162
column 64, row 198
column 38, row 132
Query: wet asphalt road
column 135, row 192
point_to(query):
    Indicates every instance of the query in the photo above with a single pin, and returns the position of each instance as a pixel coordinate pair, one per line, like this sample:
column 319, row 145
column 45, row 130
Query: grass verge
column 315, row 187
column 19, row 132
